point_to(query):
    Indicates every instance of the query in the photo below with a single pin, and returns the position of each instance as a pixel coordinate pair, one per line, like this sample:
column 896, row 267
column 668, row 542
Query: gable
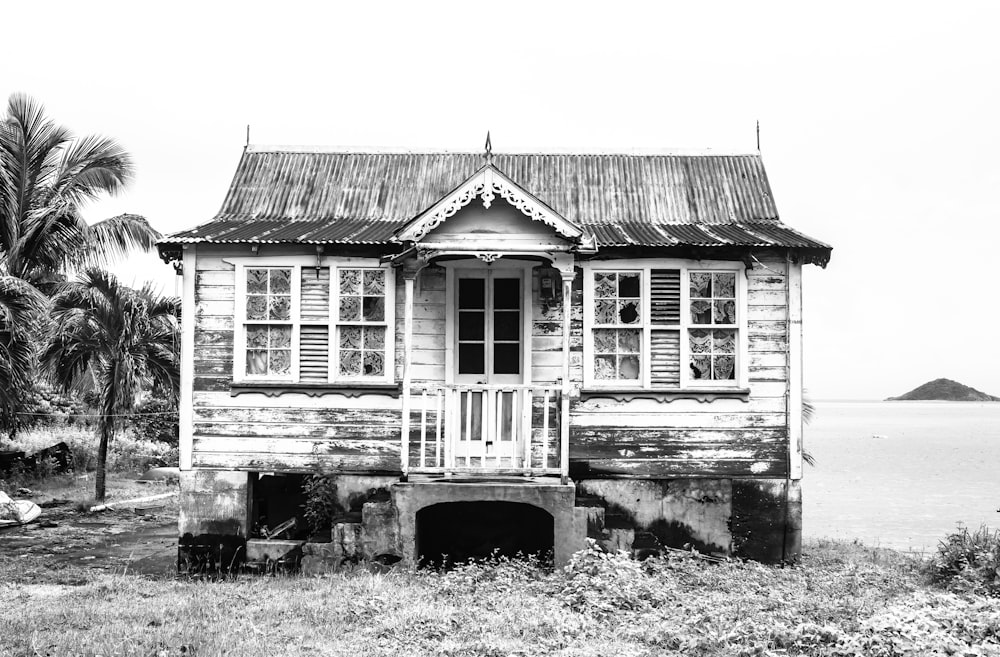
column 488, row 184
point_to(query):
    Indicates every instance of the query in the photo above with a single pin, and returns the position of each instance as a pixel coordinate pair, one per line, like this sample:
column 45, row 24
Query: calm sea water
column 901, row 474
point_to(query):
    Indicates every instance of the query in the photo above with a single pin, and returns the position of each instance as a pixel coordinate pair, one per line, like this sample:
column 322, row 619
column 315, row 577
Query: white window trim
column 297, row 264
column 645, row 266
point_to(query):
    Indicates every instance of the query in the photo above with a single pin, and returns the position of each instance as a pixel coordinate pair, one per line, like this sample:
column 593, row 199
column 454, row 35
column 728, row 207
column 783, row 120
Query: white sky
column 880, row 126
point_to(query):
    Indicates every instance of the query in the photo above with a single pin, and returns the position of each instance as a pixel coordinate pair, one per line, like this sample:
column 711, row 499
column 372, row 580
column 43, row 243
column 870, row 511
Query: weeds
column 968, row 562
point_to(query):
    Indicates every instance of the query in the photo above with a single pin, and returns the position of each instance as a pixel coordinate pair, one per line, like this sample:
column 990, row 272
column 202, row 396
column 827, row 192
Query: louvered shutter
column 665, row 319
column 314, row 340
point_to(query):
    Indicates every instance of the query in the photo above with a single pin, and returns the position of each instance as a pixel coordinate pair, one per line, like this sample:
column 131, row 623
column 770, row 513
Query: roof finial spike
column 247, row 145
column 488, row 155
column 758, row 135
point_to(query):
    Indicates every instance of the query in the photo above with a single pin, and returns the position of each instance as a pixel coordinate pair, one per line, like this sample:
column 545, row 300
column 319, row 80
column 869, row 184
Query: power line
column 100, row 414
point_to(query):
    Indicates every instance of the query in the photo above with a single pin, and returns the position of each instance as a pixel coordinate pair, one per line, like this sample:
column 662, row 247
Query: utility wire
column 101, row 414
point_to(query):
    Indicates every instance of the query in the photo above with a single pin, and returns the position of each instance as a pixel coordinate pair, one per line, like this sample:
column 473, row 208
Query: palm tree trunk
column 106, row 428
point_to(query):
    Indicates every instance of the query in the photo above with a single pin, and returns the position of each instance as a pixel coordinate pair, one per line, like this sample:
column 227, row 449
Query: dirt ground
column 67, row 544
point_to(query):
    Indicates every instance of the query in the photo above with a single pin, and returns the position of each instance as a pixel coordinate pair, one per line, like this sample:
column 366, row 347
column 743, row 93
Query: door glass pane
column 507, row 293
column 471, row 358
column 471, row 293
column 507, row 358
column 470, row 325
column 507, row 325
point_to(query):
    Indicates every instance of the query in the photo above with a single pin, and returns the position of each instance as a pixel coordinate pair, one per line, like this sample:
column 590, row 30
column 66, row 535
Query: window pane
column 281, row 281
column 628, row 285
column 507, row 325
column 701, row 367
column 724, row 367
column 605, row 312
column 257, row 337
column 374, row 309
column 256, row 362
column 281, row 337
column 605, row 284
column 374, row 363
column 350, row 309
column 471, row 359
column 725, row 312
column 281, row 308
column 701, row 341
column 281, row 362
column 472, row 293
column 724, row 285
column 506, row 358
column 701, row 285
column 374, row 282
column 724, row 342
column 256, row 307
column 604, row 367
column 350, row 281
column 628, row 342
column 506, row 293
column 701, row 312
column 628, row 311
column 471, row 325
column 374, row 337
column 605, row 341
column 350, row 362
column 257, row 281
column 628, row 367
column 350, row 337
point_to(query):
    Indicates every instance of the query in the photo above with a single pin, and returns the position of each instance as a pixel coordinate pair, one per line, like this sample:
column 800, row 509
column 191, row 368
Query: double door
column 489, row 357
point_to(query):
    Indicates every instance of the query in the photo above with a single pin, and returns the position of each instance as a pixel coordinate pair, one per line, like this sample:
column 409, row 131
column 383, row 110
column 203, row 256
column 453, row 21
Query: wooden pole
column 404, row 438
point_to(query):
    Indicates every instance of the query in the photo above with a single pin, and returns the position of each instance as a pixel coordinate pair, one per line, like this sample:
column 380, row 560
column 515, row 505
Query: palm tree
column 123, row 339
column 46, row 175
column 20, row 307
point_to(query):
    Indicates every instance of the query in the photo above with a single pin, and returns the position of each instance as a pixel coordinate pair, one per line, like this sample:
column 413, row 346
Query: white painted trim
column 794, row 289
column 451, row 297
column 186, row 410
column 487, row 183
column 297, row 263
column 646, row 265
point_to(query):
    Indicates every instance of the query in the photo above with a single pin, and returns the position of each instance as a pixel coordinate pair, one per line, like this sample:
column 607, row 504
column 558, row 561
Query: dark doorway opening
column 455, row 532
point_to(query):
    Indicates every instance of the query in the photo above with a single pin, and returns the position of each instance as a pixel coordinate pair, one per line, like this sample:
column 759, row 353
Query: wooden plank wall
column 688, row 437
column 291, row 432
column 683, row 437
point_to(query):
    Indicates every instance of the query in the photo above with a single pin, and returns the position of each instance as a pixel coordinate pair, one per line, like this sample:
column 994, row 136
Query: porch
column 503, row 429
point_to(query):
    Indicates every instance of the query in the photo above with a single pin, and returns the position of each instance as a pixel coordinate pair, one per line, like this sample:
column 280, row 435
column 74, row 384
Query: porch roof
column 289, row 195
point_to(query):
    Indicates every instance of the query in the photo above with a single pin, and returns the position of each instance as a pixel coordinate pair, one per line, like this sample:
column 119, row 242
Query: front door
column 489, row 356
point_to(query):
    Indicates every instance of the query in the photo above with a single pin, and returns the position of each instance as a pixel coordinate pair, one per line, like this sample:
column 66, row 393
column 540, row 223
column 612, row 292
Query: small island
column 944, row 390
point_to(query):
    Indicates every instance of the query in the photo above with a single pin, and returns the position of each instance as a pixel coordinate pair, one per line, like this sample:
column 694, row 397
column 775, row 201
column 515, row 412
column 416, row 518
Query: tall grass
column 127, row 453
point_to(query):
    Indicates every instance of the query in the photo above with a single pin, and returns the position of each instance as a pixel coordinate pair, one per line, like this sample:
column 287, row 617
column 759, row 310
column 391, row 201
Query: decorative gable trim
column 487, row 184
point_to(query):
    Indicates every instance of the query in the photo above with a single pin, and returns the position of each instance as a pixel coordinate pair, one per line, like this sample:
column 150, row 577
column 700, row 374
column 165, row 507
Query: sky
column 880, row 126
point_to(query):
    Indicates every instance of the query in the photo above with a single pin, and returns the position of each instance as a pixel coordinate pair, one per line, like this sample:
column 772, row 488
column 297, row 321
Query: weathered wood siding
column 690, row 437
column 291, row 432
column 641, row 437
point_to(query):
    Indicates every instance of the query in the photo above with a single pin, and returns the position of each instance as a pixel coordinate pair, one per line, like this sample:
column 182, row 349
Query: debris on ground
column 17, row 512
column 110, row 505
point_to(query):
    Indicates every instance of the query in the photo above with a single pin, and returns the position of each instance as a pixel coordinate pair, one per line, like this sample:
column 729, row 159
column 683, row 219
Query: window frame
column 645, row 267
column 297, row 264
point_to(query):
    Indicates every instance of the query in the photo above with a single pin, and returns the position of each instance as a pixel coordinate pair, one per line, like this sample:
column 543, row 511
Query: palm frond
column 115, row 238
column 92, row 166
column 21, row 307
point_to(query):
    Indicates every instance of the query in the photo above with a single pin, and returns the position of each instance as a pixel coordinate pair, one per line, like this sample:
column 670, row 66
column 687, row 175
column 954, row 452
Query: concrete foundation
column 760, row 519
column 555, row 498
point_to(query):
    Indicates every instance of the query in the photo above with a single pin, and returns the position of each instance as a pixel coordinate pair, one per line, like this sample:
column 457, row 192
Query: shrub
column 321, row 502
column 968, row 561
column 156, row 419
column 48, row 406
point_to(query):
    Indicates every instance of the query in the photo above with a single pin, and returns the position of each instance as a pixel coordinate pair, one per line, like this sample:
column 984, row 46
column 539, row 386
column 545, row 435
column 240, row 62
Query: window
column 301, row 323
column 636, row 335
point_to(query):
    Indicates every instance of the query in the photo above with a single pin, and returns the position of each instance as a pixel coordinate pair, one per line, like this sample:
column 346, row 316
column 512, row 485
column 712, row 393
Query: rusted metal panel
column 289, row 196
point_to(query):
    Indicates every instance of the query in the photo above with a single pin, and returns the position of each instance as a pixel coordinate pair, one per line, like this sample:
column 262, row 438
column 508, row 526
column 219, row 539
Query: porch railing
column 485, row 429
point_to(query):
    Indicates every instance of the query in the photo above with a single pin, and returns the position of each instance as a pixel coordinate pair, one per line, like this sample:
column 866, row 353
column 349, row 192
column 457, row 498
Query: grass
column 843, row 599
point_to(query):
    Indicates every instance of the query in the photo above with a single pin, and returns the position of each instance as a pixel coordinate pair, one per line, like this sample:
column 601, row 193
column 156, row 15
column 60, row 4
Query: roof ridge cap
column 398, row 150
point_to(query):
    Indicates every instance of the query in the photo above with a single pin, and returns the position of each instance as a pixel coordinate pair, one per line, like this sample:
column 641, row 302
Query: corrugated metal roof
column 362, row 198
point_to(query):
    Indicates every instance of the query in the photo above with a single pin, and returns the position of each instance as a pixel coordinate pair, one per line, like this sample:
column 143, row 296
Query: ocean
column 901, row 474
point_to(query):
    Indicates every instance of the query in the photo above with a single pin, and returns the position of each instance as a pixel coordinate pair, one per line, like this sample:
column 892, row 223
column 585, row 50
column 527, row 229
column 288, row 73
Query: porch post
column 568, row 273
column 409, row 276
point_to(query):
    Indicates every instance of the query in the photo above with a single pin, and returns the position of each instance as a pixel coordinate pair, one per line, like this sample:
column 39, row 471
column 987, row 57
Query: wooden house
column 494, row 351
